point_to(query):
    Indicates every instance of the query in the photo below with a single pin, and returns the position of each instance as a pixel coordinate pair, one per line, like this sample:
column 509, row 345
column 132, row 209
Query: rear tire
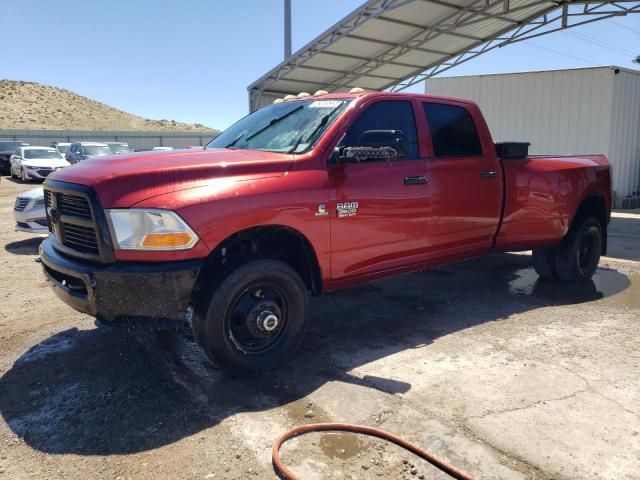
column 544, row 262
column 255, row 319
column 578, row 255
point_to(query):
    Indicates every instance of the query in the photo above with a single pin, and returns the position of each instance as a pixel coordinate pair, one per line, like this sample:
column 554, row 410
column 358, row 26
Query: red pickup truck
column 307, row 196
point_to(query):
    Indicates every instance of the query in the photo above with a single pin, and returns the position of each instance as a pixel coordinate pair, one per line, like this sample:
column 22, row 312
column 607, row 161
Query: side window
column 386, row 115
column 453, row 132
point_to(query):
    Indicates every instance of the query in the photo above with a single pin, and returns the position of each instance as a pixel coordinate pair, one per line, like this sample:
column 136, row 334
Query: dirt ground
column 483, row 364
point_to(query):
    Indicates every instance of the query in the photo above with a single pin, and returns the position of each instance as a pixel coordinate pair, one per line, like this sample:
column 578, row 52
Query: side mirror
column 360, row 154
column 374, row 145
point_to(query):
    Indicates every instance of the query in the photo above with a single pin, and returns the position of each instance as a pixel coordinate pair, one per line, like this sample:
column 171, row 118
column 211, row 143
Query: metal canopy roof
column 392, row 44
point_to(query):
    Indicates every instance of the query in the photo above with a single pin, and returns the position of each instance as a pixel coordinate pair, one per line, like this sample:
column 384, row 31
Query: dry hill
column 33, row 106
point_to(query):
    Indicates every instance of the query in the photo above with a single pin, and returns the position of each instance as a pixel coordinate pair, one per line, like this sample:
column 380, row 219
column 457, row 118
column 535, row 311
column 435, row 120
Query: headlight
column 29, row 167
column 150, row 229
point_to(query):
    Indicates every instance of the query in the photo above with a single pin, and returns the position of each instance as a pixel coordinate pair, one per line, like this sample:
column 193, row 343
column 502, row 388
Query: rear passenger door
column 465, row 180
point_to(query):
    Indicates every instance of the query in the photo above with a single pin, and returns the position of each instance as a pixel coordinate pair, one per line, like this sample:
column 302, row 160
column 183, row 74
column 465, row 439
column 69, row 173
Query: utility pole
column 287, row 29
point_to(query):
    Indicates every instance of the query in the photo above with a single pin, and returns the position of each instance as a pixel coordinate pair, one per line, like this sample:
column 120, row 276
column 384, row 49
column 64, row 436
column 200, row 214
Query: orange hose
column 287, row 474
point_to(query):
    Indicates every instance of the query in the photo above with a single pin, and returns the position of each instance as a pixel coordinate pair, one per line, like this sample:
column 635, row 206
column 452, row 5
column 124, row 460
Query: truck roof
column 370, row 94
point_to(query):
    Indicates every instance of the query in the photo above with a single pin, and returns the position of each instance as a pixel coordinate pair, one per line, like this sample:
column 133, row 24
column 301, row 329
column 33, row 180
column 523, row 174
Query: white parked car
column 29, row 212
column 31, row 163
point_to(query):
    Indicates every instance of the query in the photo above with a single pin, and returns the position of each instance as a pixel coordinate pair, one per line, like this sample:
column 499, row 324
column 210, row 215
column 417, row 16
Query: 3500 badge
column 347, row 209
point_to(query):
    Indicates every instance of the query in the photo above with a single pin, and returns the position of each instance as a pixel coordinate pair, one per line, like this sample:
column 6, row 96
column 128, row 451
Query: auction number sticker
column 325, row 104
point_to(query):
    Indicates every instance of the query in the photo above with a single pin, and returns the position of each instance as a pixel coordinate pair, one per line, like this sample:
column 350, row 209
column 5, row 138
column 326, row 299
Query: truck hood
column 126, row 179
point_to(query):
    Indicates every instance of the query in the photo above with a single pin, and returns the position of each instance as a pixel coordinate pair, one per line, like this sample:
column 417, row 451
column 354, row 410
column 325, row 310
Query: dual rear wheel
column 576, row 258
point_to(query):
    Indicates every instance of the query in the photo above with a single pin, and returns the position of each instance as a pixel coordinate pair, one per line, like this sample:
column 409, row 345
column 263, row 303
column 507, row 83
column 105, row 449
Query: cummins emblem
column 347, row 209
column 322, row 210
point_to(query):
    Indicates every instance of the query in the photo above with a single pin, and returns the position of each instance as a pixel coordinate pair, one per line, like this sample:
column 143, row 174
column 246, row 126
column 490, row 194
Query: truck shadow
column 28, row 246
column 103, row 391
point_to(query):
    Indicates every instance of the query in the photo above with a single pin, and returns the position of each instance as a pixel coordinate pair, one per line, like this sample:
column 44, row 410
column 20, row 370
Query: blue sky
column 192, row 60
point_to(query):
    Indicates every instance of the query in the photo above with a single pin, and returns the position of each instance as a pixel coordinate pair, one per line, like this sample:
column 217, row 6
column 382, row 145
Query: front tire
column 23, row 176
column 578, row 255
column 255, row 319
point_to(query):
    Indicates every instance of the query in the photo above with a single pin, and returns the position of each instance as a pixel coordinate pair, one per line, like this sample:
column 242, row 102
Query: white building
column 587, row 110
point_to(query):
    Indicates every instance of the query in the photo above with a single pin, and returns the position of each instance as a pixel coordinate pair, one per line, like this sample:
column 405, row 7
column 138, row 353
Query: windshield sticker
column 325, row 104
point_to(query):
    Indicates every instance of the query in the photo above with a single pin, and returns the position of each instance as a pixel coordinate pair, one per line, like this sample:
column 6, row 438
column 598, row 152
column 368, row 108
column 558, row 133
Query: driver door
column 379, row 207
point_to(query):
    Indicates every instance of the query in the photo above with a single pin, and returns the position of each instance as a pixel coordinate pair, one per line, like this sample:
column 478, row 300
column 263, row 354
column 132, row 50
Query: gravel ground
column 495, row 371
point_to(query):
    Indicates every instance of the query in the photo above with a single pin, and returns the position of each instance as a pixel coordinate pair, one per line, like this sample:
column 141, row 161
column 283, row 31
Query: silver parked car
column 82, row 150
column 29, row 212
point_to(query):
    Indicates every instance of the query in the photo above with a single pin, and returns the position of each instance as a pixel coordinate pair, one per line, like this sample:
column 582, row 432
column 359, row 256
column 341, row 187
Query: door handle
column 415, row 180
column 490, row 174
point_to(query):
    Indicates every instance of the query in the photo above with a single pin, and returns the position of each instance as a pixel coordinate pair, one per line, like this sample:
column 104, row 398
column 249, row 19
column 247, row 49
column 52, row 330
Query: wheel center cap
column 267, row 321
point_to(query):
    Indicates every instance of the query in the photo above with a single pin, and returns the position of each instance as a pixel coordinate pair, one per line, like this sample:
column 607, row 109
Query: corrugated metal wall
column 591, row 110
column 624, row 143
column 137, row 140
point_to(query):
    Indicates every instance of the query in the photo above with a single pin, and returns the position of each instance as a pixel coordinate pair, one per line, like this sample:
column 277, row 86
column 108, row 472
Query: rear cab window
column 453, row 131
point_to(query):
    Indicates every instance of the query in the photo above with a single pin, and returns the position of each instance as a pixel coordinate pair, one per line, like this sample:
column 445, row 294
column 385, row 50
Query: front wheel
column 578, row 255
column 23, row 176
column 255, row 319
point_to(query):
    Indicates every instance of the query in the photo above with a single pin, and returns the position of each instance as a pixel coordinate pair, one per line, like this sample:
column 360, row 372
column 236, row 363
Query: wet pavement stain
column 607, row 287
column 341, row 445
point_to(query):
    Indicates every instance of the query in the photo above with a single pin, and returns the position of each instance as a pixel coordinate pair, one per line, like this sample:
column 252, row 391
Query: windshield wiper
column 323, row 121
column 236, row 139
column 273, row 121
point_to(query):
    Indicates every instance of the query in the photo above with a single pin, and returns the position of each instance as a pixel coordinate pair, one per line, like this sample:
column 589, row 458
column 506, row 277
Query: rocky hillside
column 30, row 105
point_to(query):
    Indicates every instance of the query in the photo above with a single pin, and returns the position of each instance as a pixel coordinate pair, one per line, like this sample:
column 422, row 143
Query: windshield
column 290, row 127
column 28, row 153
column 96, row 150
column 119, row 148
column 62, row 148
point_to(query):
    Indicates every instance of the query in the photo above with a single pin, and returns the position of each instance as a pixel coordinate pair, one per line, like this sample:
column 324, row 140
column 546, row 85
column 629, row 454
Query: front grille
column 80, row 238
column 43, row 172
column 21, row 204
column 74, row 206
column 73, row 219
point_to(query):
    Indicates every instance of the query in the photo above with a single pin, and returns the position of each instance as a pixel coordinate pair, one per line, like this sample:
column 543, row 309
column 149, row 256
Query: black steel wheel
column 254, row 320
column 578, row 256
column 258, row 318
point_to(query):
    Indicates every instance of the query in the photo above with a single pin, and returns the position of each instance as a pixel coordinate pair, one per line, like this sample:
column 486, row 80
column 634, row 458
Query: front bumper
column 31, row 219
column 140, row 294
column 32, row 227
column 39, row 173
